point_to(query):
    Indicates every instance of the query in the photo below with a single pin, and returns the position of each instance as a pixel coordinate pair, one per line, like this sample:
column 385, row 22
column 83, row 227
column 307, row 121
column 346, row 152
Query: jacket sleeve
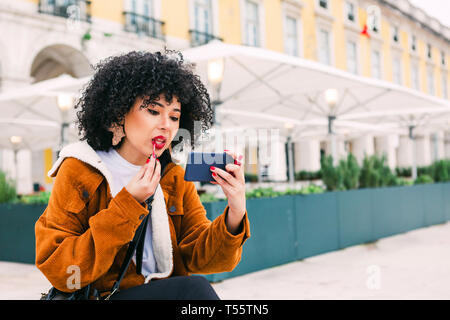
column 73, row 247
column 208, row 247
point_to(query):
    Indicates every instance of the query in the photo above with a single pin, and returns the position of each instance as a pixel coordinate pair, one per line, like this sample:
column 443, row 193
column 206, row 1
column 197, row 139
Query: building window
column 444, row 85
column 376, row 64
column 140, row 19
column 413, row 43
column 350, row 11
column 323, row 4
column 252, row 24
column 374, row 18
column 324, row 47
column 395, row 36
column 415, row 77
column 430, row 81
column 397, row 71
column 203, row 27
column 291, row 45
column 74, row 9
column 429, row 55
column 352, row 58
column 443, row 58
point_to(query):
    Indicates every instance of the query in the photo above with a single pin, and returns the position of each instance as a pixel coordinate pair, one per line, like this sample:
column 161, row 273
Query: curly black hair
column 119, row 80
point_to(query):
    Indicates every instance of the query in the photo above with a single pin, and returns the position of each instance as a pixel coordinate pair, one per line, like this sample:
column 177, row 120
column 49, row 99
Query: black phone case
column 197, row 167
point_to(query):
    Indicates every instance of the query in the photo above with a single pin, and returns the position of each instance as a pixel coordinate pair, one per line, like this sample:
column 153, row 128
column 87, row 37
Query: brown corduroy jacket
column 86, row 230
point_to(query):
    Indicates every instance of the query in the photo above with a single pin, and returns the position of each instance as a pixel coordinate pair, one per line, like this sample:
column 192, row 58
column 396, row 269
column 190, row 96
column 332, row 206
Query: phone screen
column 197, row 166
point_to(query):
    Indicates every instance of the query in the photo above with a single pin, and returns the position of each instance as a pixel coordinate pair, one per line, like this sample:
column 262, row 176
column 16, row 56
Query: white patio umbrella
column 32, row 113
column 266, row 89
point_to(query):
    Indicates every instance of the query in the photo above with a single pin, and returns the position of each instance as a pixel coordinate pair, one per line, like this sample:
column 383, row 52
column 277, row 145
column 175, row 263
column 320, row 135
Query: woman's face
column 143, row 126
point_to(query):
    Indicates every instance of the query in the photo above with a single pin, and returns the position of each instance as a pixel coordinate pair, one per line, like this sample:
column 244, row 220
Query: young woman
column 130, row 113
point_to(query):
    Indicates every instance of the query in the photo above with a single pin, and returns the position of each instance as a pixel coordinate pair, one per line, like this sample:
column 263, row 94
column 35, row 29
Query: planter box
column 446, row 200
column 355, row 217
column 317, row 224
column 287, row 228
column 387, row 211
column 272, row 240
column 433, row 199
column 17, row 241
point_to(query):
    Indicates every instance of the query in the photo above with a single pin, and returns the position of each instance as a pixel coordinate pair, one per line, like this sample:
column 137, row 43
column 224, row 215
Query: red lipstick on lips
column 159, row 142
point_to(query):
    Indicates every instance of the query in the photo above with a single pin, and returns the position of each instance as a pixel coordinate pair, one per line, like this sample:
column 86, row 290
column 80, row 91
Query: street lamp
column 289, row 127
column 412, row 137
column 215, row 78
column 331, row 98
column 65, row 103
column 16, row 141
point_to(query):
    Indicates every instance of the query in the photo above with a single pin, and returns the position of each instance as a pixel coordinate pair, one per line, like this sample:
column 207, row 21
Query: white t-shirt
column 122, row 172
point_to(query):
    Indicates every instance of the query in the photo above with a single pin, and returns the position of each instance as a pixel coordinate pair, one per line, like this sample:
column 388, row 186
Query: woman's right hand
column 145, row 182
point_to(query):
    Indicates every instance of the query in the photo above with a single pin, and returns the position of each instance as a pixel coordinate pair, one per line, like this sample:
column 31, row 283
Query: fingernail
column 240, row 157
column 212, row 168
column 226, row 150
column 157, row 160
column 148, row 160
column 214, row 174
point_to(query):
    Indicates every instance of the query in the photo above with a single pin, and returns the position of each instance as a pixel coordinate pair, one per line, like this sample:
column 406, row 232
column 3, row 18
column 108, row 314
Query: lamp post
column 414, row 150
column 65, row 102
column 215, row 78
column 331, row 98
column 16, row 141
column 290, row 127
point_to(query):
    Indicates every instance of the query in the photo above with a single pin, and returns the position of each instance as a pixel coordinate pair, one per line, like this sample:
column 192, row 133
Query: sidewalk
column 413, row 265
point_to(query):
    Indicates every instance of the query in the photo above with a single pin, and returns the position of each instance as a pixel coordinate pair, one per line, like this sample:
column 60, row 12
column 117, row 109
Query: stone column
column 437, row 146
column 387, row 145
column 447, row 145
column 277, row 166
column 307, row 155
column 423, row 152
column 404, row 152
column 340, row 149
column 25, row 185
column 362, row 147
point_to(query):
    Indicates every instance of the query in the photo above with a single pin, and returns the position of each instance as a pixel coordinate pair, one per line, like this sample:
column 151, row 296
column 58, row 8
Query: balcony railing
column 73, row 9
column 199, row 38
column 142, row 24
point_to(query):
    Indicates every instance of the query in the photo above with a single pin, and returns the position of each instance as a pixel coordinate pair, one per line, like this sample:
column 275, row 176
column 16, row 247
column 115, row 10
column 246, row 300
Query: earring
column 118, row 134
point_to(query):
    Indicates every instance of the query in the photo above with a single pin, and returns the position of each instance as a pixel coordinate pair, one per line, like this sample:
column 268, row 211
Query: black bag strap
column 140, row 251
column 131, row 248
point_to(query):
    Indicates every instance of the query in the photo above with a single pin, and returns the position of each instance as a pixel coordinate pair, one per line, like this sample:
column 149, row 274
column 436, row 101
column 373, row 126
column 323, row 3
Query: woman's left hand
column 232, row 182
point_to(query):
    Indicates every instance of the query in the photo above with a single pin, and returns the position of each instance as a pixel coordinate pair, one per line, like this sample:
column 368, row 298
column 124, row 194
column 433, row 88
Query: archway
column 58, row 59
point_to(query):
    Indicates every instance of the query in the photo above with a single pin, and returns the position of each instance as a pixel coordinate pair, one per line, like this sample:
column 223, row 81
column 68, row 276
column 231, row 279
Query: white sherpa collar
column 162, row 243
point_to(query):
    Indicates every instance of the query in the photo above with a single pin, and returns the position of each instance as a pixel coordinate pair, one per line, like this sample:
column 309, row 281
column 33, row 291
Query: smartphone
column 198, row 163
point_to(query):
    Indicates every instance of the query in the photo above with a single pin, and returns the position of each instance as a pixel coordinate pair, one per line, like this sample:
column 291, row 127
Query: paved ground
column 413, row 265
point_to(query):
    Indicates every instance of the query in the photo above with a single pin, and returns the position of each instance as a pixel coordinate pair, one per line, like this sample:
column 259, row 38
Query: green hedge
column 7, row 189
column 375, row 173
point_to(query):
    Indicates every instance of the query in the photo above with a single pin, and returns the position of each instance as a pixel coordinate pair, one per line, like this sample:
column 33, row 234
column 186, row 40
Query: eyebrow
column 159, row 104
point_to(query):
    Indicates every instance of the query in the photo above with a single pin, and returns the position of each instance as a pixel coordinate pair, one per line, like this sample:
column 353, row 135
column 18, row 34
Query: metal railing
column 146, row 25
column 74, row 9
column 199, row 38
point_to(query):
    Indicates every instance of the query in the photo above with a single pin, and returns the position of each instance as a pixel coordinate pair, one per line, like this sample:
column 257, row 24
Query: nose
column 164, row 122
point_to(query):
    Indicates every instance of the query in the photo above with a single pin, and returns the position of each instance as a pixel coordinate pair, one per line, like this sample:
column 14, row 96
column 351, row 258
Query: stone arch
column 54, row 60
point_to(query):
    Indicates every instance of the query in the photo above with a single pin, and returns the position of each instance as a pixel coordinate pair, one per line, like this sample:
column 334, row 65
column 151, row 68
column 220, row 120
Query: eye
column 153, row 112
